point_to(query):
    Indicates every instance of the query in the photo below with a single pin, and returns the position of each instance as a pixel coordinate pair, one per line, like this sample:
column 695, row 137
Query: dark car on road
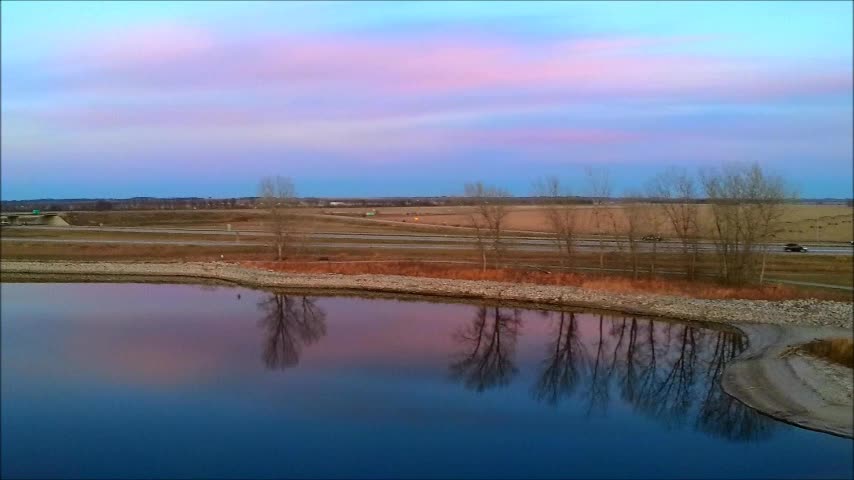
column 794, row 247
column 652, row 238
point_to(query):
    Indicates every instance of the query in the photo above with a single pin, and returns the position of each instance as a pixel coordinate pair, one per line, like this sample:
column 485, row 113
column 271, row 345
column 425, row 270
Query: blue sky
column 122, row 99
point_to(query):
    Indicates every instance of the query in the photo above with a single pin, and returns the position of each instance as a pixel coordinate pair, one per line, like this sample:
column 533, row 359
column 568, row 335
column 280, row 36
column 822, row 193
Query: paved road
column 412, row 245
column 439, row 241
column 243, row 243
column 812, row 284
column 228, row 244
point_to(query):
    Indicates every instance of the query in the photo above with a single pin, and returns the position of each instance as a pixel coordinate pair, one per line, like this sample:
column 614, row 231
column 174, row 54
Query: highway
column 227, row 245
column 371, row 240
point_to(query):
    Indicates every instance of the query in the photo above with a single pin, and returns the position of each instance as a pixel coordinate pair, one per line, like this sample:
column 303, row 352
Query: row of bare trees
column 488, row 219
column 747, row 205
column 745, row 209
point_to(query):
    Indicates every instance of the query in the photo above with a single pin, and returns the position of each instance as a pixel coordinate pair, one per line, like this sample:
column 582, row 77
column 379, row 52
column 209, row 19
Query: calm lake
column 146, row 380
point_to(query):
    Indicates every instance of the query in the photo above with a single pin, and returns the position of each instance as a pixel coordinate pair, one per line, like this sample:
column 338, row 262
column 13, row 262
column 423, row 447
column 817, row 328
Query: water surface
column 144, row 380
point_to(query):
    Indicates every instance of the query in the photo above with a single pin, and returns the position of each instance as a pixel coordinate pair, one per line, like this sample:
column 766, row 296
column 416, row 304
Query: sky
column 121, row 99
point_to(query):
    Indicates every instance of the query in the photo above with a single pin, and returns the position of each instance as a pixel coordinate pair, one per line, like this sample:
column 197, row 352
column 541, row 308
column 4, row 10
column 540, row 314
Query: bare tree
column 771, row 208
column 637, row 215
column 678, row 194
column 489, row 217
column 560, row 215
column 746, row 209
column 277, row 194
column 599, row 190
column 653, row 224
column 481, row 236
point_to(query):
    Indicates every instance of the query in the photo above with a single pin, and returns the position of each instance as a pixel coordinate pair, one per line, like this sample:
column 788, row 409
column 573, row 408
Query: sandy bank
column 796, row 389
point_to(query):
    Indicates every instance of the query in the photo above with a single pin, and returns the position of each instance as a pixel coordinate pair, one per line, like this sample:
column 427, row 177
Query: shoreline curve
column 762, row 377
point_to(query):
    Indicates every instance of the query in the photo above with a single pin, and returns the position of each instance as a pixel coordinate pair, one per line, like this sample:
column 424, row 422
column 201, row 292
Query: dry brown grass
column 799, row 221
column 304, row 220
column 835, row 222
column 837, row 350
column 119, row 252
column 707, row 290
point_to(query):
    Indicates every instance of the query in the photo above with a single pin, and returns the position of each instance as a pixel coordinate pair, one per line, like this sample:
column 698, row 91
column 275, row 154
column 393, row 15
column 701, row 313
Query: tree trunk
column 694, row 261
column 279, row 250
column 635, row 260
column 762, row 271
column 652, row 266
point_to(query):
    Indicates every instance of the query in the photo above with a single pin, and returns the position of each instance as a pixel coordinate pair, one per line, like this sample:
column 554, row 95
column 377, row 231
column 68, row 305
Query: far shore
column 763, row 377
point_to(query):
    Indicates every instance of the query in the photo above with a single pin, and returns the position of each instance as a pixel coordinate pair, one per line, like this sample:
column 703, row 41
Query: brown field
column 112, row 235
column 819, row 269
column 139, row 253
column 799, row 222
column 305, row 220
column 835, row 222
column 815, row 268
column 834, row 270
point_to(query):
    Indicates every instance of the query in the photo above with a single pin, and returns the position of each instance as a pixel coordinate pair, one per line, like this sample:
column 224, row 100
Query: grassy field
column 525, row 268
column 304, row 220
column 834, row 222
column 800, row 222
column 834, row 270
column 837, row 270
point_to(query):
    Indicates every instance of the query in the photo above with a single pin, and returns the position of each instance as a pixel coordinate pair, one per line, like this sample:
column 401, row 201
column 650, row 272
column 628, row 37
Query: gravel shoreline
column 759, row 377
column 814, row 313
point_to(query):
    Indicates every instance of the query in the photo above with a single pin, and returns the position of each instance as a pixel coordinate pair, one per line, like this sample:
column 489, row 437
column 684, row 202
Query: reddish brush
column 683, row 288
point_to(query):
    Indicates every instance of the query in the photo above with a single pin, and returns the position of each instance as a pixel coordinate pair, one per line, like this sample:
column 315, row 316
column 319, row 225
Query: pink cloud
column 179, row 57
column 151, row 45
column 365, row 95
column 546, row 137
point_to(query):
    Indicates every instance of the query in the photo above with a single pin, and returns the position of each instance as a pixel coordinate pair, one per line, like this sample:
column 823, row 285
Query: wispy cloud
column 301, row 80
column 177, row 57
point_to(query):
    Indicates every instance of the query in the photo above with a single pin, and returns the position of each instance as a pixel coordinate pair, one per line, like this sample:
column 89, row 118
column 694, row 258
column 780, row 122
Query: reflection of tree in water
column 668, row 371
column 597, row 392
column 290, row 323
column 721, row 414
column 671, row 401
column 489, row 344
column 566, row 364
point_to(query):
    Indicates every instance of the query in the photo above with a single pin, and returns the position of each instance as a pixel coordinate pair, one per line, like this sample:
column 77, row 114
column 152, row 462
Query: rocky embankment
column 789, row 312
column 803, row 391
